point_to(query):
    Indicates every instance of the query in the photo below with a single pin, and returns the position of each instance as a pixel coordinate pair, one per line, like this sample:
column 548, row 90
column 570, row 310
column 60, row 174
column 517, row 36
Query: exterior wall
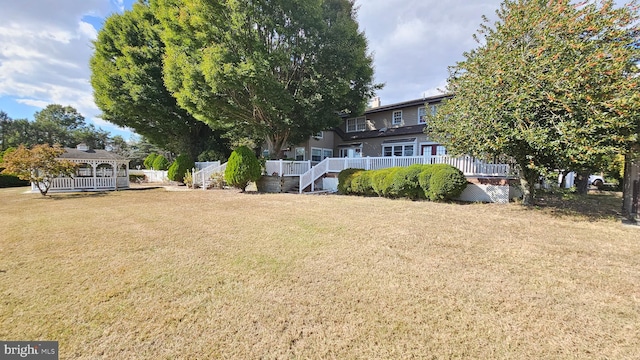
column 373, row 147
column 385, row 118
column 328, row 141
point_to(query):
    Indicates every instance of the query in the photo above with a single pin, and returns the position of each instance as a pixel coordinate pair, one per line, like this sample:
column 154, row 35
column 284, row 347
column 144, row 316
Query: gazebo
column 98, row 170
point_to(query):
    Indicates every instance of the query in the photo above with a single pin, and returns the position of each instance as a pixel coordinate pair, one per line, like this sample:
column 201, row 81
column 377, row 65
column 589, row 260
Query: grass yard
column 153, row 274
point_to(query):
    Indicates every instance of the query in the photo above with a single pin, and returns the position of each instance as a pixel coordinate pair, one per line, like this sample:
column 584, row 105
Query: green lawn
column 153, row 274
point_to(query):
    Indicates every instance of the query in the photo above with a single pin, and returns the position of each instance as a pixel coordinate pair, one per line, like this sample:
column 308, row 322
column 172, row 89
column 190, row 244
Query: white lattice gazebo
column 98, row 170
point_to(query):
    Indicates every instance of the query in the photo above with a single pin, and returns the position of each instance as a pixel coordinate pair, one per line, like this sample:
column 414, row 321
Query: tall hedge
column 242, row 168
column 179, row 168
column 446, row 184
column 161, row 163
column 344, row 180
column 148, row 161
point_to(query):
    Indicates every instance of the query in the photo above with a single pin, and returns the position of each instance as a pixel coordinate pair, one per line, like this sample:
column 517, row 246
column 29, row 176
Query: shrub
column 216, row 181
column 345, row 177
column 148, row 161
column 446, row 183
column 160, row 163
column 188, row 179
column 242, row 168
column 134, row 178
column 179, row 168
column 405, row 183
column 8, row 180
column 378, row 180
column 361, row 183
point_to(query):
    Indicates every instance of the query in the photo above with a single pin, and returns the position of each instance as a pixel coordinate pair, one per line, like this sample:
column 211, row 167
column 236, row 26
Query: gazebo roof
column 91, row 154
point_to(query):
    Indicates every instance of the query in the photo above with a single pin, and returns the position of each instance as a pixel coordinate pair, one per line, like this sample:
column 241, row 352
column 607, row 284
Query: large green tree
column 127, row 78
column 552, row 84
column 278, row 70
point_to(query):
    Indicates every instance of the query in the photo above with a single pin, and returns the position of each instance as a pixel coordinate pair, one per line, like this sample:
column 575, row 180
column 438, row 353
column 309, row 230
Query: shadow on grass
column 80, row 195
column 598, row 205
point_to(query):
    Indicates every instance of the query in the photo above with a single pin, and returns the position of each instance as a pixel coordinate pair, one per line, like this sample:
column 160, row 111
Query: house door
column 352, row 152
column 432, row 150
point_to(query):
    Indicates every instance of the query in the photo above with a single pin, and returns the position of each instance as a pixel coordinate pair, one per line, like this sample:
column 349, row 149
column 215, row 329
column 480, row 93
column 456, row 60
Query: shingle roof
column 92, row 154
column 399, row 131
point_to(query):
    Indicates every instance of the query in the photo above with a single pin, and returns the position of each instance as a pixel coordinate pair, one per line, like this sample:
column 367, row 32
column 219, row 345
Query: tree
column 553, row 85
column 242, row 168
column 5, row 125
column 38, row 165
column 56, row 124
column 277, row 70
column 179, row 167
column 127, row 79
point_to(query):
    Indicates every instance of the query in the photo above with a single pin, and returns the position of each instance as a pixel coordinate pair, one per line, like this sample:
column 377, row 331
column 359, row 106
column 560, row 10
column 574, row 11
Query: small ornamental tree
column 161, row 163
column 148, row 161
column 242, row 168
column 179, row 168
column 39, row 165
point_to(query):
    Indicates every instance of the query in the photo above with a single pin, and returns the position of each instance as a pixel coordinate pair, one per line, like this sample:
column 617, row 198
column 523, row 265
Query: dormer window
column 82, row 147
column 356, row 124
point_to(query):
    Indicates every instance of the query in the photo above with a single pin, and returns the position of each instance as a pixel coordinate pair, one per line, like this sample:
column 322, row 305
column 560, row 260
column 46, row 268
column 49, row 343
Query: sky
column 45, row 46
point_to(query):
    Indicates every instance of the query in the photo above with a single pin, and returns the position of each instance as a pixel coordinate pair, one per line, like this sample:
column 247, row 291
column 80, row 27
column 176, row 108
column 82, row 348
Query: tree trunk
column 528, row 179
column 563, row 179
column 631, row 188
column 582, row 182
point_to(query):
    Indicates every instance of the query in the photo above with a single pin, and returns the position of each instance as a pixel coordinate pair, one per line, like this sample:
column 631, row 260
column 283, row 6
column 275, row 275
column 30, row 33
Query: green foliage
column 433, row 182
column 135, row 178
column 278, row 72
column 553, row 84
column 7, row 180
column 128, row 84
column 361, row 183
column 160, row 163
column 39, row 165
column 242, row 168
column 344, row 180
column 446, row 184
column 216, row 181
column 148, row 161
column 179, row 168
column 405, row 183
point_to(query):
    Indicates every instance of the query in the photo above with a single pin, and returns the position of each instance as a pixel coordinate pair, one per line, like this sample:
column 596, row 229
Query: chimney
column 375, row 102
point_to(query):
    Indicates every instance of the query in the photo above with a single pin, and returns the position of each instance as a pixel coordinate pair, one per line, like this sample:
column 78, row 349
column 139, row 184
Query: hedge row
column 432, row 182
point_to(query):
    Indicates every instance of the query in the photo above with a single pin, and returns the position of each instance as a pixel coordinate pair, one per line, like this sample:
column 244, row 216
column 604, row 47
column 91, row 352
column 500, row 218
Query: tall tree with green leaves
column 277, row 70
column 56, row 124
column 553, row 84
column 127, row 78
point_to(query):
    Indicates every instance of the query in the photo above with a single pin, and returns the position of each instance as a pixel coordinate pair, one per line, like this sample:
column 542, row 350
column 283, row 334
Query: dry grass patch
column 217, row 274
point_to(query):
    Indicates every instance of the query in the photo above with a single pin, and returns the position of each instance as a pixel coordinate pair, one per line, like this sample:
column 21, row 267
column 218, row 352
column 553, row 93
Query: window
column 441, row 150
column 398, row 150
column 422, row 115
column 356, row 124
column 300, row 154
column 434, row 109
column 318, row 154
column 397, row 117
column 318, row 135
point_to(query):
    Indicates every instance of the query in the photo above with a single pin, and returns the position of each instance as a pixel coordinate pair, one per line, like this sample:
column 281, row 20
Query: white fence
column 86, row 183
column 286, row 167
column 202, row 177
column 469, row 166
column 154, row 176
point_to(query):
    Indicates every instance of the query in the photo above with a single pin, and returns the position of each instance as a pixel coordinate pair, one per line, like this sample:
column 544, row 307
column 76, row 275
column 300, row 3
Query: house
column 381, row 137
column 98, row 170
column 381, row 131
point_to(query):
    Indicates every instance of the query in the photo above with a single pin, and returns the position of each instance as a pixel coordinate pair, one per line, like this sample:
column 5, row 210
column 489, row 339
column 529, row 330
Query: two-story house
column 390, row 130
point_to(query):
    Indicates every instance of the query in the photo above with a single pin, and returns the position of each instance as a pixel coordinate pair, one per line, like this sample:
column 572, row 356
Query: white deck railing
column 287, row 167
column 86, row 183
column 201, row 177
column 469, row 166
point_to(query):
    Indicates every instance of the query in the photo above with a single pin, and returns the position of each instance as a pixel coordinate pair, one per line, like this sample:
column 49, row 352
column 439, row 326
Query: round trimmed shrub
column 378, row 180
column 446, row 183
column 148, row 161
column 243, row 167
column 160, row 163
column 405, row 183
column 345, row 178
column 179, row 168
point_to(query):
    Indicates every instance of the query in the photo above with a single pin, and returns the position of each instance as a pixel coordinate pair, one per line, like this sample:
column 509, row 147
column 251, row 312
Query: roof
column 404, row 104
column 399, row 131
column 91, row 154
column 401, row 105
